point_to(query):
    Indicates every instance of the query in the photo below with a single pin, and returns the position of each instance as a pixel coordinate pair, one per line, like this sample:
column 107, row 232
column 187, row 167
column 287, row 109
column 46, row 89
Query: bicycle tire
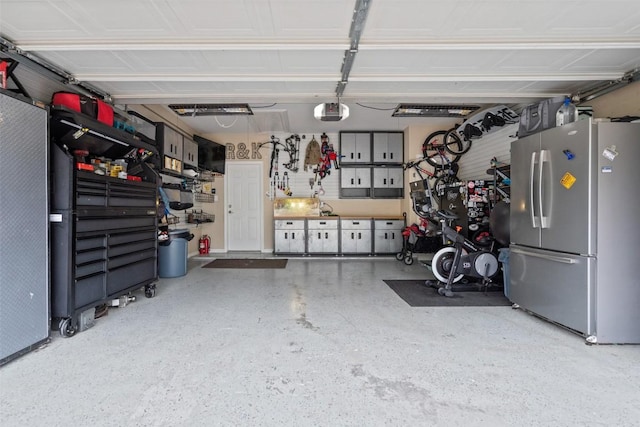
column 454, row 144
column 442, row 181
column 435, row 152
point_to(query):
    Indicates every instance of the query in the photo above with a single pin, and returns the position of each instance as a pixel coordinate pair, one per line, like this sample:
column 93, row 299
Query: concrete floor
column 320, row 343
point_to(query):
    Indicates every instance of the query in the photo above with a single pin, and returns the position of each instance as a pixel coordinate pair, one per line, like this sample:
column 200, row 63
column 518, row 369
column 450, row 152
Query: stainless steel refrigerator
column 575, row 228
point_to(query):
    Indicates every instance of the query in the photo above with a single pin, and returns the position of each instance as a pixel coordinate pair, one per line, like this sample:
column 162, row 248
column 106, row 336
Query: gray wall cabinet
column 371, row 165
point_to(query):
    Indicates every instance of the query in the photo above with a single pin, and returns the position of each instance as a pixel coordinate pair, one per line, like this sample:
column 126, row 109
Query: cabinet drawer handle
column 384, row 181
column 289, row 223
column 386, row 236
column 326, row 236
column 359, row 236
column 384, row 155
column 323, row 222
column 319, row 235
column 286, row 235
column 356, row 222
column 293, row 236
column 391, row 156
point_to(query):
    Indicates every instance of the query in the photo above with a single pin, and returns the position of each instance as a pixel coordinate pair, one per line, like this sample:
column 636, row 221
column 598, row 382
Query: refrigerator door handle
column 545, row 157
column 555, row 258
column 535, row 221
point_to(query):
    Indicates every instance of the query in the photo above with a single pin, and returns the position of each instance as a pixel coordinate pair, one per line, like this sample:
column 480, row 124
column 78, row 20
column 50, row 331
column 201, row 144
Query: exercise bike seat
column 443, row 213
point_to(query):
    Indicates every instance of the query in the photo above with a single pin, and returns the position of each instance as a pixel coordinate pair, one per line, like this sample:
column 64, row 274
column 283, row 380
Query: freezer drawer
column 557, row 286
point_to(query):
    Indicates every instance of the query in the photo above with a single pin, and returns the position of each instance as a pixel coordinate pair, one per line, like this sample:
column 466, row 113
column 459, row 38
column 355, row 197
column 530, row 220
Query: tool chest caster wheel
column 66, row 328
column 150, row 291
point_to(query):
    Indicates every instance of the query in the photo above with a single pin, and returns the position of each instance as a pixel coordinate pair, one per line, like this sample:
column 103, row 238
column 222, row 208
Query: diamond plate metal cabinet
column 24, row 236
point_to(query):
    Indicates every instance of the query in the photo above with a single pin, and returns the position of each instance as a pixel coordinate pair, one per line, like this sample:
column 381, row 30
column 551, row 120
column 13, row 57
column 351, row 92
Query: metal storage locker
column 24, row 235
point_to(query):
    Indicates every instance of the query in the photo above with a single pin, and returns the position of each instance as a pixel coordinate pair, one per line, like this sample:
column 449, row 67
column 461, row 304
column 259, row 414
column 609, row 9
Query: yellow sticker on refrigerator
column 568, row 180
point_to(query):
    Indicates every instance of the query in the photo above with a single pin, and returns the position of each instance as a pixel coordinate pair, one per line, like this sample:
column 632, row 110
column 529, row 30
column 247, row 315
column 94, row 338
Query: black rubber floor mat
column 246, row 263
column 417, row 294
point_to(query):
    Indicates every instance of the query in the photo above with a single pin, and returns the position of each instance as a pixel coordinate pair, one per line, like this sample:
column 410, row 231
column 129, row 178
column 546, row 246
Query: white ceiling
column 289, row 53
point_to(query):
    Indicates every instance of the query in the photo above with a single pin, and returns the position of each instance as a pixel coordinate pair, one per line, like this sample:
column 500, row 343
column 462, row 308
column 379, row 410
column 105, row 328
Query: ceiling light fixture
column 211, row 109
column 431, row 110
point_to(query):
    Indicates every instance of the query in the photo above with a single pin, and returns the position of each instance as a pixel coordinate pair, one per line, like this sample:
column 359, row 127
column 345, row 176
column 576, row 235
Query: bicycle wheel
column 444, row 179
column 435, row 152
column 454, row 145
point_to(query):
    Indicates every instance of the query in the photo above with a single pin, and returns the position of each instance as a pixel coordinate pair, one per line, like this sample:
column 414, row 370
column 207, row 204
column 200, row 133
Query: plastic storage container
column 503, row 257
column 173, row 254
column 567, row 113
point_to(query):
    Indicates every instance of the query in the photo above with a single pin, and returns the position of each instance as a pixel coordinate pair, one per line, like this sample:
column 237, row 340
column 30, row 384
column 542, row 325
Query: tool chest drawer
column 104, row 224
column 132, row 236
column 131, row 275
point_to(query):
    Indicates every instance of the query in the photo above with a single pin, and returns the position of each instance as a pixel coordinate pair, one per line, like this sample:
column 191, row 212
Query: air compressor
column 204, row 244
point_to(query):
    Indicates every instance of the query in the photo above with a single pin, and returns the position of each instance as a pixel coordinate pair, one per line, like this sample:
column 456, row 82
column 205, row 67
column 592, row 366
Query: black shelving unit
column 104, row 229
column 501, row 182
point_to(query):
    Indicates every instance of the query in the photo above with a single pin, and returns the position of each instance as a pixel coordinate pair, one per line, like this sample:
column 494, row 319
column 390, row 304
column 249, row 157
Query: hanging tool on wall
column 275, row 150
column 285, row 186
column 313, row 155
column 329, row 157
column 292, row 147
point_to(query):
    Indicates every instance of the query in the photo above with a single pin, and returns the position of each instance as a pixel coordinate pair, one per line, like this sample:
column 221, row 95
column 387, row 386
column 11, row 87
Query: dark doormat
column 246, row 263
column 417, row 294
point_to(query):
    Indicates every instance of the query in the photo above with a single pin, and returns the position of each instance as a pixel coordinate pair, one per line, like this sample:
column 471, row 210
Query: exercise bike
column 463, row 258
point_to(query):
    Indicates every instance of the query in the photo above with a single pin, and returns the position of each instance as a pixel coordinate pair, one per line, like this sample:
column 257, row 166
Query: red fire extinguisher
column 204, row 244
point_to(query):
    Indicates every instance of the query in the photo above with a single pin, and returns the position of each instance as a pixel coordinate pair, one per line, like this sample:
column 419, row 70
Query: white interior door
column 244, row 206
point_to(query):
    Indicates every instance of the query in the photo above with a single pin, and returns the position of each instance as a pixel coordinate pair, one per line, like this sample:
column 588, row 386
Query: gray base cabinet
column 338, row 236
column 290, row 236
column 356, row 236
column 322, row 237
column 388, row 236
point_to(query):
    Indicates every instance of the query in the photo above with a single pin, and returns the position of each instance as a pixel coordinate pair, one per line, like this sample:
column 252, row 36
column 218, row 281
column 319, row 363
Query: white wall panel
column 474, row 164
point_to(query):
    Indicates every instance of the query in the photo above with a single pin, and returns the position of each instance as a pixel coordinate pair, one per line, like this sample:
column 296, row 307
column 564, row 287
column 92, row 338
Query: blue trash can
column 503, row 257
column 173, row 254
